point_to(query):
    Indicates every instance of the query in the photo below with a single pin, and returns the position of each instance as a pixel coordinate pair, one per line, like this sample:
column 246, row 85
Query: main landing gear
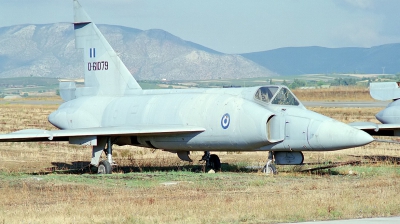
column 104, row 166
column 212, row 161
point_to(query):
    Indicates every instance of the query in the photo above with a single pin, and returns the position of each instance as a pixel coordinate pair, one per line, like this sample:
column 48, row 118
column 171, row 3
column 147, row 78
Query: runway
column 382, row 104
column 32, row 102
column 386, row 220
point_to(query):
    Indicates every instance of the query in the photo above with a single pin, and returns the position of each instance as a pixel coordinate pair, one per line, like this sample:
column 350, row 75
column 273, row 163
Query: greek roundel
column 225, row 120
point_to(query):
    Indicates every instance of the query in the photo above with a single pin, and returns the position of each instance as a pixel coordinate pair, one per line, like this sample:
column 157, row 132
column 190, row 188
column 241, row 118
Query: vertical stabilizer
column 384, row 90
column 105, row 74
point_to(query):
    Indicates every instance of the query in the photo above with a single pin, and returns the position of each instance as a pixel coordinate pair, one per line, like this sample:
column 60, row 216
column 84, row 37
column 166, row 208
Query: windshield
column 285, row 97
column 266, row 93
column 281, row 97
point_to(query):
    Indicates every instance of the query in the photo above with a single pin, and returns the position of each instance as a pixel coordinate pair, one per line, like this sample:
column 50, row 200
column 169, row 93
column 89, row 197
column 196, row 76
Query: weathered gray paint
column 112, row 104
column 384, row 90
column 390, row 116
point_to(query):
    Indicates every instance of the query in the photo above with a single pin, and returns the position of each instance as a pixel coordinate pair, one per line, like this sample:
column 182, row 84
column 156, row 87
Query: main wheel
column 104, row 167
column 214, row 162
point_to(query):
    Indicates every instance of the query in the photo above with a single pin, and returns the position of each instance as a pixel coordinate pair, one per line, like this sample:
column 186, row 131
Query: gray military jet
column 390, row 116
column 112, row 108
column 386, row 91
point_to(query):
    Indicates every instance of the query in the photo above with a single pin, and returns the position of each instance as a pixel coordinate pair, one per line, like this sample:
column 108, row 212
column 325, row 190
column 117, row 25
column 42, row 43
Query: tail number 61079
column 97, row 66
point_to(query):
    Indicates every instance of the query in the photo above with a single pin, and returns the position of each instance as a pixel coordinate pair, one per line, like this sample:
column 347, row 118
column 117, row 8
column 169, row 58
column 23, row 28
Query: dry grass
column 196, row 198
column 168, row 195
column 340, row 93
column 15, row 117
column 349, row 114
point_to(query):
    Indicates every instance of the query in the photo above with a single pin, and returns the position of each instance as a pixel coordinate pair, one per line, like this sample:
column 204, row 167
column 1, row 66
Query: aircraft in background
column 385, row 91
column 390, row 116
column 112, row 108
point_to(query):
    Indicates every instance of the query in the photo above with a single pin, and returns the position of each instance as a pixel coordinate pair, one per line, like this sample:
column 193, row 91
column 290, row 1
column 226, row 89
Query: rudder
column 105, row 73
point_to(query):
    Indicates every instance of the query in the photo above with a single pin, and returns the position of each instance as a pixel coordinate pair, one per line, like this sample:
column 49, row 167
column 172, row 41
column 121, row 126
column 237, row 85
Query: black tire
column 104, row 167
column 214, row 163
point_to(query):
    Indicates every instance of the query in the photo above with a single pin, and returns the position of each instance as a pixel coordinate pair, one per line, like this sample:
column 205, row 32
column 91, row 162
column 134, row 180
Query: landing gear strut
column 212, row 161
column 104, row 166
column 269, row 168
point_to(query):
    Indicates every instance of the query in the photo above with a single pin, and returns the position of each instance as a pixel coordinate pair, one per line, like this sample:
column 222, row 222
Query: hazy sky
column 232, row 26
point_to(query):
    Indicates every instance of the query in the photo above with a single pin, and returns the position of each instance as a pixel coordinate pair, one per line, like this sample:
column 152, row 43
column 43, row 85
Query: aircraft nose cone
column 390, row 115
column 333, row 135
column 380, row 116
column 58, row 119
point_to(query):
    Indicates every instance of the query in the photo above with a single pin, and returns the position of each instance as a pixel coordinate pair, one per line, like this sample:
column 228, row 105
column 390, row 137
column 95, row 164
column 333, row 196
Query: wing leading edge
column 378, row 129
column 66, row 135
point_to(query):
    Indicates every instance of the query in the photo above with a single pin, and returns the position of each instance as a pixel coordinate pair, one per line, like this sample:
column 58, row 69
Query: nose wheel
column 269, row 168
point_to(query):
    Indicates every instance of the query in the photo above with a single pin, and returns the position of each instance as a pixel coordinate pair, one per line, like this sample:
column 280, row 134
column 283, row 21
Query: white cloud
column 362, row 4
column 365, row 32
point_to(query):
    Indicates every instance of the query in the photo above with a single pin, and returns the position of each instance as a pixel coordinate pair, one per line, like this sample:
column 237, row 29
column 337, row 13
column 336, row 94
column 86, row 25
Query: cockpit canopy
column 276, row 95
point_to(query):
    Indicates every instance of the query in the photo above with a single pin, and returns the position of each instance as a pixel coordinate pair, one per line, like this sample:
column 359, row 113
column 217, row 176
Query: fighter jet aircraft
column 385, row 91
column 112, row 108
column 390, row 116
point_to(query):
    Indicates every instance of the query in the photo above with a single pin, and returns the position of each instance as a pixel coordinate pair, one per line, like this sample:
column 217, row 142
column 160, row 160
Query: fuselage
column 112, row 108
column 391, row 114
column 233, row 119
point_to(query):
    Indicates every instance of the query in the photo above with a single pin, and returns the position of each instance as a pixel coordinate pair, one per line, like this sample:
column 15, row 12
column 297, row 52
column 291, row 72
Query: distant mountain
column 49, row 51
column 316, row 60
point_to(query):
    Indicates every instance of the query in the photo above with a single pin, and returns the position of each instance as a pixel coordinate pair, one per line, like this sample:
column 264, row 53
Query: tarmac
column 385, row 220
column 357, row 104
column 32, row 102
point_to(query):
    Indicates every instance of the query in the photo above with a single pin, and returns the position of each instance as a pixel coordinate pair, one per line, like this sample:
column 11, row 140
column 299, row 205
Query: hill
column 320, row 60
column 49, row 51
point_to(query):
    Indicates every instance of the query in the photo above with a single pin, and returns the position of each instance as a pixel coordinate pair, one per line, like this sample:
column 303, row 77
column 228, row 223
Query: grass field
column 342, row 93
column 43, row 182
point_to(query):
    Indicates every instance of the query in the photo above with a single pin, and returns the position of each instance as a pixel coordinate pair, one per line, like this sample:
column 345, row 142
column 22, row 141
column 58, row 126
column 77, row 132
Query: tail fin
column 105, row 73
column 384, row 90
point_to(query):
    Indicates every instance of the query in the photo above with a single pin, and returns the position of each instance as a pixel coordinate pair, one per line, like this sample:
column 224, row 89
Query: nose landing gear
column 269, row 168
